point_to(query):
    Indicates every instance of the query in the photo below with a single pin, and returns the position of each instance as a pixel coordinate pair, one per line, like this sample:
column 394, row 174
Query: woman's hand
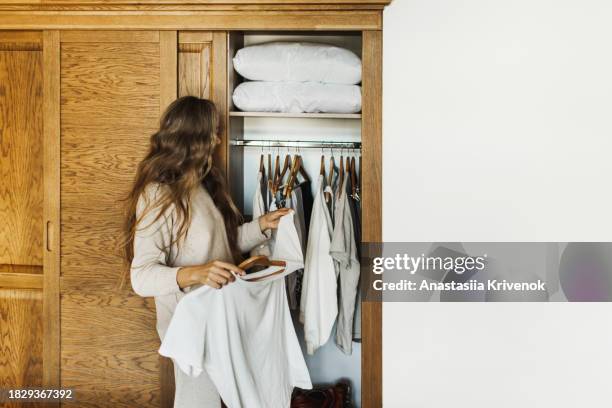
column 215, row 274
column 271, row 219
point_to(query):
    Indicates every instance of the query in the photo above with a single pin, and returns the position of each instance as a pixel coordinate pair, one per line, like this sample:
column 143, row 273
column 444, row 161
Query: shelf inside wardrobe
column 350, row 40
column 296, row 115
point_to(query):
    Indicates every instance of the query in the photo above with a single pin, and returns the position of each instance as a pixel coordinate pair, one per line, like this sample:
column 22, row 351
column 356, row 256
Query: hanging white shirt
column 243, row 335
column 319, row 302
column 344, row 251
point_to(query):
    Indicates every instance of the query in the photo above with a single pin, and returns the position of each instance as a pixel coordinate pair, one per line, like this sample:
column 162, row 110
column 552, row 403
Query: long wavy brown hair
column 180, row 158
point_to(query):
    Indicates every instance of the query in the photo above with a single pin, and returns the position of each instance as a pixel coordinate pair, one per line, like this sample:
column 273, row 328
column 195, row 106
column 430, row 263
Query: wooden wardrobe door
column 114, row 85
column 202, row 72
column 21, row 210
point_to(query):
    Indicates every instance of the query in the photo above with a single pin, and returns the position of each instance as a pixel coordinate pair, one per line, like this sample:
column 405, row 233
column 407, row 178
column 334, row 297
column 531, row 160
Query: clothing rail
column 297, row 143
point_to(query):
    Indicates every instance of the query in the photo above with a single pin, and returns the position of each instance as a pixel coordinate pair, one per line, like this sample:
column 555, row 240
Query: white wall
column 497, row 127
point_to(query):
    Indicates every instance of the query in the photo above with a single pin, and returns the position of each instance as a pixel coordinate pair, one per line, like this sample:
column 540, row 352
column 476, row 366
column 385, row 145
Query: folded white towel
column 298, row 61
column 297, row 97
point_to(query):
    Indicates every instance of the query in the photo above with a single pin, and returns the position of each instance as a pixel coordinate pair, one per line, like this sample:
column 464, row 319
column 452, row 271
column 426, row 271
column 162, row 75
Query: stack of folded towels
column 298, row 77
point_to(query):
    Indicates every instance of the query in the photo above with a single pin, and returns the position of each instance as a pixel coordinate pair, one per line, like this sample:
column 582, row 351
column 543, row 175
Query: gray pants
column 194, row 392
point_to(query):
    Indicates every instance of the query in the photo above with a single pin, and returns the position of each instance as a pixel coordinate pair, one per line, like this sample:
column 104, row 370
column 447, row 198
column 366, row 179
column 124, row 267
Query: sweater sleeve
column 150, row 273
column 250, row 235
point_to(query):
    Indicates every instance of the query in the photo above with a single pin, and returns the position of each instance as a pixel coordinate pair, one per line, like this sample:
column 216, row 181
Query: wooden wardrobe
column 82, row 86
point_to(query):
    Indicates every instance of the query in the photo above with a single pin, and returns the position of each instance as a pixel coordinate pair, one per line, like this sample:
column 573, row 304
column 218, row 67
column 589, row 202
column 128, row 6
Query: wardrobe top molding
column 330, row 15
column 260, row 3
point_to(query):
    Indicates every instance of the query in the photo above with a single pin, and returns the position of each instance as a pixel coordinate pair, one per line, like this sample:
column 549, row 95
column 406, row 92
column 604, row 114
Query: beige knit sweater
column 153, row 270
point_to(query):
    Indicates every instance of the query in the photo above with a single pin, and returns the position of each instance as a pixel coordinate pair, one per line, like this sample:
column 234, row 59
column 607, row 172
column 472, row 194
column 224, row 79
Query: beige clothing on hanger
column 343, row 249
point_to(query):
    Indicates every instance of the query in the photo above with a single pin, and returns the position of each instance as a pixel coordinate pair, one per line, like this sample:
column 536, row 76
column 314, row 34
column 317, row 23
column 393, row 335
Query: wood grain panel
column 166, row 374
column 27, row 37
column 190, row 7
column 234, row 125
column 168, row 93
column 21, row 157
column 220, row 95
column 194, row 20
column 20, row 350
column 9, row 269
column 194, row 62
column 22, row 280
column 371, row 150
column 110, row 366
column 81, row 36
column 110, row 105
column 21, row 40
column 168, row 54
column 51, row 212
column 197, row 37
column 240, row 2
column 202, row 73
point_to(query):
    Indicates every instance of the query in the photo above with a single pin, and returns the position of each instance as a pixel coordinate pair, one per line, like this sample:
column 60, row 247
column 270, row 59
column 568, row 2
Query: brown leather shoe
column 336, row 396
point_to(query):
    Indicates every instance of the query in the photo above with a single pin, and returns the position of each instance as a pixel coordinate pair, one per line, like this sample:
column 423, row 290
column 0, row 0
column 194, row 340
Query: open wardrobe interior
column 315, row 145
column 83, row 87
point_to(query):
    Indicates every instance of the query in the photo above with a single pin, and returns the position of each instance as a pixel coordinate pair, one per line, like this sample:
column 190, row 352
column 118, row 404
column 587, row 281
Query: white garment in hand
column 243, row 335
column 319, row 302
column 298, row 61
column 297, row 97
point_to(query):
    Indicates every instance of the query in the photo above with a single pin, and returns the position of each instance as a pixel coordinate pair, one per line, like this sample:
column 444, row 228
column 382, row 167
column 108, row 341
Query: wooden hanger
column 269, row 173
column 330, row 176
column 286, row 166
column 261, row 163
column 276, row 176
column 359, row 178
column 269, row 166
column 261, row 260
column 297, row 164
column 322, row 171
column 347, row 168
column 302, row 170
column 353, row 177
column 341, row 175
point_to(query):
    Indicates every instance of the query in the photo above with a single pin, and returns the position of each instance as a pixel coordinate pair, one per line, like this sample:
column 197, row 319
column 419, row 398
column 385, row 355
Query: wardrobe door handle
column 49, row 233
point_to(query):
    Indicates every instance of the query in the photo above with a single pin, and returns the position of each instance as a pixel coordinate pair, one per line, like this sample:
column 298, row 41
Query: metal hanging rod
column 297, row 143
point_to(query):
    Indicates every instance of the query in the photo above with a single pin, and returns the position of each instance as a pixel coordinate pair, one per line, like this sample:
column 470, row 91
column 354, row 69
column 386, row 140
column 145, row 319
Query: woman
column 182, row 228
